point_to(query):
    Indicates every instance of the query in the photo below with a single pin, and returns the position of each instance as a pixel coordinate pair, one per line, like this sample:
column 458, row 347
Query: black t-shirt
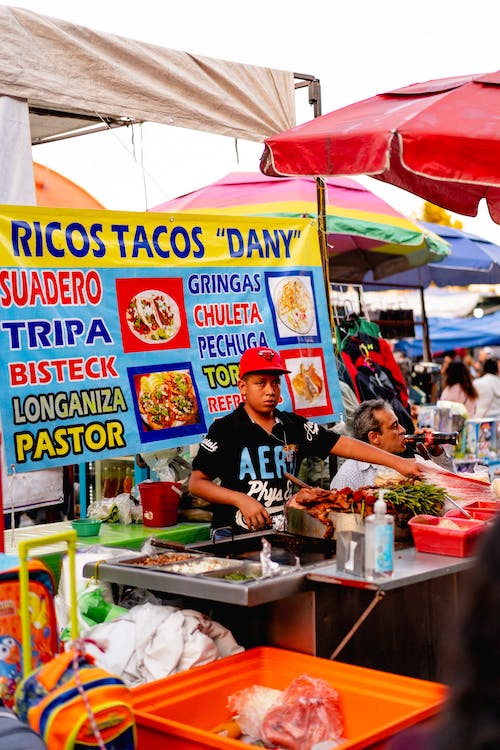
column 248, row 459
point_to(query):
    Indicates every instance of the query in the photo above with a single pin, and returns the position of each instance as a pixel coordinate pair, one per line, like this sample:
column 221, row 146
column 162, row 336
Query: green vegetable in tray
column 416, row 497
column 235, row 576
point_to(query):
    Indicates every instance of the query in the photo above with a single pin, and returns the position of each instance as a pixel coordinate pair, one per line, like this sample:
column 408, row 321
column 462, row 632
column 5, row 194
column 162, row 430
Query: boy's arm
column 255, row 515
column 351, row 448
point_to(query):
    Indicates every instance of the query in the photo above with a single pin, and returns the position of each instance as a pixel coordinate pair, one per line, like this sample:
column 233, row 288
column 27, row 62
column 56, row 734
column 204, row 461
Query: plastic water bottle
column 379, row 541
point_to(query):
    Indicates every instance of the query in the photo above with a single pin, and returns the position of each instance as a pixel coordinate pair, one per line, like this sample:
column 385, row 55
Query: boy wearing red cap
column 250, row 450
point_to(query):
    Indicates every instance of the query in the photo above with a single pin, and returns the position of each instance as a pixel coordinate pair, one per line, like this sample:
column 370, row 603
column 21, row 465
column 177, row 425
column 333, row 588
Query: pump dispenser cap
column 380, row 506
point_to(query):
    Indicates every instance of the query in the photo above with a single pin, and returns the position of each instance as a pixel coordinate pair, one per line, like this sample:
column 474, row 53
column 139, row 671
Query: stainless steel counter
column 244, row 593
column 317, row 610
column 410, row 567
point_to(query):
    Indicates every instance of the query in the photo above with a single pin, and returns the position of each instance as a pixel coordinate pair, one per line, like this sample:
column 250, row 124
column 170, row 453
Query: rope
column 79, row 650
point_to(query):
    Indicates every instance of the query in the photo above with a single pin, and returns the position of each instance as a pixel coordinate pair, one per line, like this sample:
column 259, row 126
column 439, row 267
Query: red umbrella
column 439, row 140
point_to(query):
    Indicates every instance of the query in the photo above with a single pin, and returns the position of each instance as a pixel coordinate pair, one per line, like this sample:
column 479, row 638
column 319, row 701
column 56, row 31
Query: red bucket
column 160, row 502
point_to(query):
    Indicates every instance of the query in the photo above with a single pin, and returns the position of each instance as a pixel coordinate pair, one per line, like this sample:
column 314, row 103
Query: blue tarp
column 453, row 333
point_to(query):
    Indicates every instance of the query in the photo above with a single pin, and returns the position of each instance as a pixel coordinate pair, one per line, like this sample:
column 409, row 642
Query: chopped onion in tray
column 198, row 566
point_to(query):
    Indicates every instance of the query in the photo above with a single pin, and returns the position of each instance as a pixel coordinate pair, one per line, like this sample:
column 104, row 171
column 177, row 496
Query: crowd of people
column 473, row 383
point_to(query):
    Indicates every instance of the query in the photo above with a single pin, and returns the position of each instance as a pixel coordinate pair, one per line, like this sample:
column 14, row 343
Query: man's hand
column 408, row 467
column 255, row 515
column 422, row 448
column 428, row 452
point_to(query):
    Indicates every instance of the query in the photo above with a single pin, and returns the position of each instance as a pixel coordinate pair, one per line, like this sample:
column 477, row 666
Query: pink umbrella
column 439, row 140
column 363, row 232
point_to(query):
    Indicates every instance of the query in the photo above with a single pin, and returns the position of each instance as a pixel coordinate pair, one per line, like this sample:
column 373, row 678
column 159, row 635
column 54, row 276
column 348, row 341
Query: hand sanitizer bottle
column 379, row 541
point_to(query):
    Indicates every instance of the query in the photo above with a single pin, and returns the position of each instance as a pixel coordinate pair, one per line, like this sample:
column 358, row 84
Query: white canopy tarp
column 17, row 183
column 64, row 70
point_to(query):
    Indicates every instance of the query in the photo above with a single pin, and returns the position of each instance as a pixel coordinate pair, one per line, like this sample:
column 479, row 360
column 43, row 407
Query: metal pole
column 303, row 80
column 426, row 342
column 379, row 595
column 314, row 88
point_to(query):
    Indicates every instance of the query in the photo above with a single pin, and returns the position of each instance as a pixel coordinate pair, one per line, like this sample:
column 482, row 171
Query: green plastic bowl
column 87, row 526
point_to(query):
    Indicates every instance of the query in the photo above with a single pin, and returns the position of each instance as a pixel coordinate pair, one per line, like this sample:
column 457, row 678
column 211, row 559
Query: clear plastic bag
column 250, row 706
column 308, row 713
column 270, row 568
column 120, row 509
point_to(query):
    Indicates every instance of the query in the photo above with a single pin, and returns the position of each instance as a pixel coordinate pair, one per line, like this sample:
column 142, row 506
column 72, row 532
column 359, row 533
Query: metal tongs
column 459, row 507
column 156, row 542
column 422, row 450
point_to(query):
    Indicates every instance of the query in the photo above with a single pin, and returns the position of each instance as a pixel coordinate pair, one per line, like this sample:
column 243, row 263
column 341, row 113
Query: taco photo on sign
column 153, row 316
column 152, row 313
column 307, row 383
column 294, row 304
column 167, row 399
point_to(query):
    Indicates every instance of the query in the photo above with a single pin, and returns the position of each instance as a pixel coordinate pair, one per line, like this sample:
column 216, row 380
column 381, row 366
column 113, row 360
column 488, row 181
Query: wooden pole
column 323, row 243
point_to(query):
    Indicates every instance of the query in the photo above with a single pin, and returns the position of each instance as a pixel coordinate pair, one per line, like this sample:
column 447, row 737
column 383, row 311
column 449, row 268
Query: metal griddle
column 286, row 548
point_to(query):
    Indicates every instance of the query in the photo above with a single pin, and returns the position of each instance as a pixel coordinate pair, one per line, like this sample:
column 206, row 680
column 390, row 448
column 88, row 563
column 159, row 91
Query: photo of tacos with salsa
column 153, row 316
column 167, row 399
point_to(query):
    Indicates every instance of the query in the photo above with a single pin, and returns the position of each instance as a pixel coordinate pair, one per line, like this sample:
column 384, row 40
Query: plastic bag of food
column 104, row 510
column 308, row 713
column 249, row 707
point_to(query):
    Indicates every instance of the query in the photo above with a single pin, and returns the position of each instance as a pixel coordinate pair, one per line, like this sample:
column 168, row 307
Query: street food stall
column 145, row 358
column 313, row 607
column 311, row 602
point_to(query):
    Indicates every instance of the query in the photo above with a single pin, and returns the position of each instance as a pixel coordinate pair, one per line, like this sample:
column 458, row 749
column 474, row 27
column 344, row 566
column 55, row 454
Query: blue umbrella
column 472, row 260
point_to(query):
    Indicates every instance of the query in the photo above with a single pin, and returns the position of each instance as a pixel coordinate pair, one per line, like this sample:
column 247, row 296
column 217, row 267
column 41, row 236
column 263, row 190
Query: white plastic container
column 379, row 541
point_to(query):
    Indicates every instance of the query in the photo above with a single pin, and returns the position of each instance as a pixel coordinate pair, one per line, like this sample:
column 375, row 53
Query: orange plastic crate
column 179, row 712
column 429, row 536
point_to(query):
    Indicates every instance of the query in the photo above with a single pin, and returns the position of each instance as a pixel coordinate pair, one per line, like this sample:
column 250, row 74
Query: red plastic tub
column 430, row 536
column 180, row 712
column 160, row 503
column 483, row 510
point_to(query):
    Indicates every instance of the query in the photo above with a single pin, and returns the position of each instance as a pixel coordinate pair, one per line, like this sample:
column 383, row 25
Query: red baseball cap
column 261, row 359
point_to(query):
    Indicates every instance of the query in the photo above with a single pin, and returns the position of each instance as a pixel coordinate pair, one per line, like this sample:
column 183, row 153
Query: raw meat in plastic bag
column 249, row 707
column 308, row 713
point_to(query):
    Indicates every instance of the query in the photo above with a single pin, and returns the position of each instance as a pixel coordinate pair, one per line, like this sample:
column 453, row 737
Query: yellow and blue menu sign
column 122, row 332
